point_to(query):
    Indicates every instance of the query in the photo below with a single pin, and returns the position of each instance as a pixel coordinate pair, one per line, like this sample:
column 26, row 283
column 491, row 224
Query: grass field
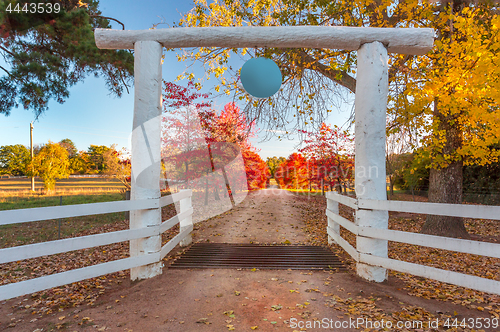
column 15, row 193
column 22, row 186
column 47, row 230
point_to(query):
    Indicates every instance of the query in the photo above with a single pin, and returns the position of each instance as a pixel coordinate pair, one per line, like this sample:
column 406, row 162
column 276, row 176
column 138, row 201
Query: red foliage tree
column 293, row 173
column 198, row 140
column 330, row 153
column 231, row 126
column 183, row 140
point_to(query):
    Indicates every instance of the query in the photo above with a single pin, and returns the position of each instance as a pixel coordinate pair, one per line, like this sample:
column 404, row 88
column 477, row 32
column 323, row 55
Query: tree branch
column 109, row 18
column 123, row 81
column 345, row 79
column 395, row 67
column 7, row 51
column 8, row 73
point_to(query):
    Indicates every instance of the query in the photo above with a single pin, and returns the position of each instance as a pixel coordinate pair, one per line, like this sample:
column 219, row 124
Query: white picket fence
column 438, row 242
column 14, row 254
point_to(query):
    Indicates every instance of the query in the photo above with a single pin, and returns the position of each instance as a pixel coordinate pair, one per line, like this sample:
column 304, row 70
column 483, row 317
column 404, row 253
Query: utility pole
column 31, row 148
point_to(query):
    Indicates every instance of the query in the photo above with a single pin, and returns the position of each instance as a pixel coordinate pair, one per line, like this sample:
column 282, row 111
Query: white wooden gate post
column 370, row 116
column 334, row 207
column 146, row 151
column 185, row 204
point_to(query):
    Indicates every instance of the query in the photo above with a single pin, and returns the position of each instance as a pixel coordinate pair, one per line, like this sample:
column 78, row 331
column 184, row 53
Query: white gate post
column 146, row 157
column 334, row 207
column 185, row 204
column 370, row 116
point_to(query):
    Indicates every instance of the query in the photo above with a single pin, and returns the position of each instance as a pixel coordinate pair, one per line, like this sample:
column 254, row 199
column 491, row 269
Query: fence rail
column 459, row 245
column 14, row 254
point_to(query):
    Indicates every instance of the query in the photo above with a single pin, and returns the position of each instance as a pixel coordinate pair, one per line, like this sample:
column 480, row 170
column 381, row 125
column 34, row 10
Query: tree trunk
column 445, row 184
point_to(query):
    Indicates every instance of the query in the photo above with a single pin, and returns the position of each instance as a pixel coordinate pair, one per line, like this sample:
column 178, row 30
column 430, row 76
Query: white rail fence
column 14, row 254
column 459, row 245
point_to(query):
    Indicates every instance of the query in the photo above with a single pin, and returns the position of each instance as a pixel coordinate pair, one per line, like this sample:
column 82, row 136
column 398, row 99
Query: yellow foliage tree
column 50, row 164
column 448, row 98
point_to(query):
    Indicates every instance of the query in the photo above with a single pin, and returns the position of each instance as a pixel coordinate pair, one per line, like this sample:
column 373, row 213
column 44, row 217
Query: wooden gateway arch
column 372, row 46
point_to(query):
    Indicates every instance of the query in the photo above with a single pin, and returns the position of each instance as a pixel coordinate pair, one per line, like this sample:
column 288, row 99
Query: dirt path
column 242, row 300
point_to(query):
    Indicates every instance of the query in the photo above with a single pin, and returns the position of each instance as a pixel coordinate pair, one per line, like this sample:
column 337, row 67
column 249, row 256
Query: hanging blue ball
column 261, row 77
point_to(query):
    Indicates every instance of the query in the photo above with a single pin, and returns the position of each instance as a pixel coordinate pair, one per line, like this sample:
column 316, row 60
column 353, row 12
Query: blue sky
column 92, row 116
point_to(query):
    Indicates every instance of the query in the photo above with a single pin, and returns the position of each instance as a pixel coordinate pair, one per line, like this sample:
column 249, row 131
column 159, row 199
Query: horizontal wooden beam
column 342, row 199
column 440, row 209
column 54, row 280
column 487, row 249
column 450, row 277
column 77, row 210
column 347, row 224
column 166, row 200
column 175, row 241
column 18, row 253
column 397, row 40
column 343, row 243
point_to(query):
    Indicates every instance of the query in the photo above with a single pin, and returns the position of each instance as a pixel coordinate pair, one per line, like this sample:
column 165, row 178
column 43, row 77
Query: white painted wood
column 398, row 40
column 347, row 224
column 344, row 244
column 342, row 199
column 35, row 285
column 451, row 277
column 146, row 145
column 166, row 200
column 172, row 243
column 59, row 246
column 174, row 220
column 187, row 222
column 370, row 176
column 332, row 207
column 465, row 246
column 67, row 211
column 442, row 209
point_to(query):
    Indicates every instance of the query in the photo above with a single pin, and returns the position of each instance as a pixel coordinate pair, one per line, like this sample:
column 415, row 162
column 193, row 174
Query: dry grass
column 71, row 186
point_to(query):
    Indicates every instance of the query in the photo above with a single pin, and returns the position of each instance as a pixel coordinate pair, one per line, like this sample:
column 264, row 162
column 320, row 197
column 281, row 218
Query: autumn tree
column 14, row 159
column 117, row 166
column 48, row 52
column 231, row 126
column 293, row 172
column 256, row 170
column 80, row 163
column 448, row 96
column 69, row 146
column 273, row 163
column 330, row 150
column 96, row 158
column 184, row 151
column 50, row 164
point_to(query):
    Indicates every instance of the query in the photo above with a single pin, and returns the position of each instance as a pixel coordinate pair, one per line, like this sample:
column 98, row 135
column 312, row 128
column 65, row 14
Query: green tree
column 50, row 164
column 47, row 53
column 14, row 159
column 412, row 172
column 80, row 163
column 273, row 163
column 96, row 158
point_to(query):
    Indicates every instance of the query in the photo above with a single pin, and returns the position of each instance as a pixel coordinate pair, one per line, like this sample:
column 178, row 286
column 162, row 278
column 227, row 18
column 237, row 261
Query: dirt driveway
column 245, row 300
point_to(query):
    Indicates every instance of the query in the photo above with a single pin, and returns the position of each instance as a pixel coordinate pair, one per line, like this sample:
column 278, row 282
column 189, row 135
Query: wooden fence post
column 370, row 117
column 146, row 158
column 334, row 207
column 185, row 204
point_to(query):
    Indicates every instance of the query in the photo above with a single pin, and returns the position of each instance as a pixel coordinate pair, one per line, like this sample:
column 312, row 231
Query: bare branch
column 109, row 18
column 7, row 51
